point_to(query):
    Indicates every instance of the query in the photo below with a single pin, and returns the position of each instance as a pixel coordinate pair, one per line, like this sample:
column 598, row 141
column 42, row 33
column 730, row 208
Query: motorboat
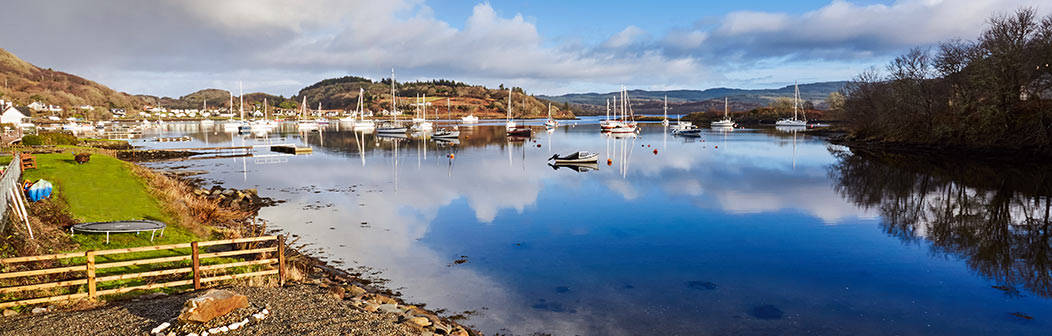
column 575, row 157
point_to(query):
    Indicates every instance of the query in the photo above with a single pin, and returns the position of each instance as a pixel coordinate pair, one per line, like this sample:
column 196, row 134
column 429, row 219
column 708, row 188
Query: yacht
column 726, row 122
column 796, row 103
column 392, row 128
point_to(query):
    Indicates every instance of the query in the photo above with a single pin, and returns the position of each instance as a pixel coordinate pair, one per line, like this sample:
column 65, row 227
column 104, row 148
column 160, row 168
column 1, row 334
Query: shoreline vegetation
column 107, row 188
column 987, row 97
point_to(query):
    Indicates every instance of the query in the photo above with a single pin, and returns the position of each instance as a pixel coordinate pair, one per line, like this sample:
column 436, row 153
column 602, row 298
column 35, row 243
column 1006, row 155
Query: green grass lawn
column 105, row 189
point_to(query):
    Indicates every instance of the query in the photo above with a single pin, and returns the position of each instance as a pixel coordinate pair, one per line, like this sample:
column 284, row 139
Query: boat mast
column 265, row 109
column 394, row 100
column 726, row 109
column 231, row 108
column 303, row 108
column 549, row 110
column 608, row 109
column 796, row 98
column 509, row 104
column 423, row 103
column 241, row 96
column 666, row 107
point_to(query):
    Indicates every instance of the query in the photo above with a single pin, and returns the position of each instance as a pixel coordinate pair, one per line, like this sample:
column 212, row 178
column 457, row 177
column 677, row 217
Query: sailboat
column 796, row 104
column 551, row 123
column 513, row 130
column 243, row 126
column 726, row 122
column 321, row 117
column 303, row 123
column 362, row 125
column 447, row 133
column 421, row 124
column 231, row 125
column 392, row 128
column 204, row 111
column 624, row 124
column 664, row 122
column 510, row 124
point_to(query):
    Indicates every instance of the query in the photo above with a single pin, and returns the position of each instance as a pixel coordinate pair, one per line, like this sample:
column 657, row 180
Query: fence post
column 90, row 255
column 197, row 265
column 281, row 260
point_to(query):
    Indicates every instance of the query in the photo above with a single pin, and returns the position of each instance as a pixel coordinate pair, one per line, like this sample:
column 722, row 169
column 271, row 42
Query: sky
column 175, row 47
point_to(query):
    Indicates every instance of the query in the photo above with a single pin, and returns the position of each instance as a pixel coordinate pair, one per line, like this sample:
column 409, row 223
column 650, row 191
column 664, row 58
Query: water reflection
column 995, row 218
column 738, row 231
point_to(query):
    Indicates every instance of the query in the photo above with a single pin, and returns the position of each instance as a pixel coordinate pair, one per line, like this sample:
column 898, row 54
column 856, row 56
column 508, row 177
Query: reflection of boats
column 726, row 122
column 796, row 104
column 576, row 157
column 401, row 135
column 691, row 132
column 578, row 167
column 521, row 131
column 449, row 141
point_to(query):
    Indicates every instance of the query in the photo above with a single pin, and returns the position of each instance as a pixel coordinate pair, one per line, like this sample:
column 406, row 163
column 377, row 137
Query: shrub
column 32, row 140
column 59, row 138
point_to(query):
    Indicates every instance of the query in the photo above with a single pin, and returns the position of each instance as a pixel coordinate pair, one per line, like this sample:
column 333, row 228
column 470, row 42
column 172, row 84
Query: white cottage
column 13, row 115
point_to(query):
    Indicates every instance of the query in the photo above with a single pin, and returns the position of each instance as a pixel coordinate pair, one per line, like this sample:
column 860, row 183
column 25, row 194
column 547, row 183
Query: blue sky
column 547, row 47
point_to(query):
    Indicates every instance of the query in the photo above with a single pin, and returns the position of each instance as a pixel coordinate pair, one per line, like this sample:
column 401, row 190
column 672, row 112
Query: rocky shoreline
column 349, row 287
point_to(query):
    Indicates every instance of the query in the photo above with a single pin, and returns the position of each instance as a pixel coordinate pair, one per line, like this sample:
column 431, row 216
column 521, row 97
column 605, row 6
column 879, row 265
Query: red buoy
column 655, row 151
column 538, row 145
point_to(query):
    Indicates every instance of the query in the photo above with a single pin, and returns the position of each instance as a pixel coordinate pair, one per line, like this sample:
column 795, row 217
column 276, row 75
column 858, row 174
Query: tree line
column 989, row 92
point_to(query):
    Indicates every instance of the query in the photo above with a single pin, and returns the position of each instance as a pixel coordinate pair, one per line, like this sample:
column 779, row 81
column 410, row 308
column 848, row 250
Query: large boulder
column 212, row 304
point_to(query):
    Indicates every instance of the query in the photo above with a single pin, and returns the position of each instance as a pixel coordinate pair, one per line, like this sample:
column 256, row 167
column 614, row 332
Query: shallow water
column 743, row 232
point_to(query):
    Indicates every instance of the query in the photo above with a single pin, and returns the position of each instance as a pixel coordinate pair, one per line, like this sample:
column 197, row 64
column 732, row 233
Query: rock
column 212, row 304
column 160, row 328
column 460, row 333
column 390, row 308
column 380, row 299
column 338, row 292
column 8, row 312
column 371, row 307
column 418, row 321
column 228, row 192
column 252, row 191
column 353, row 290
column 39, row 310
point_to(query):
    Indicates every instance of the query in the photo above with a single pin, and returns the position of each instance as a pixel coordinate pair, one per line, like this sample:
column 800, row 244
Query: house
column 15, row 115
column 86, row 107
column 38, row 106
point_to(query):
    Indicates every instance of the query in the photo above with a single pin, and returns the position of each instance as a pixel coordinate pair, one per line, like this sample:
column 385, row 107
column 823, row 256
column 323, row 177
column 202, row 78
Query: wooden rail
column 275, row 265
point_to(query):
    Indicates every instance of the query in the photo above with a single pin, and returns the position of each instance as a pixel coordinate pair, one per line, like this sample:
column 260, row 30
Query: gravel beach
column 298, row 309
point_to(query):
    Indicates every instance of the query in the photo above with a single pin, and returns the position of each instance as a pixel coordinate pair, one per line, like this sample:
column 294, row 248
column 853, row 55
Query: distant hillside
column 216, row 99
column 25, row 83
column 814, row 92
column 342, row 93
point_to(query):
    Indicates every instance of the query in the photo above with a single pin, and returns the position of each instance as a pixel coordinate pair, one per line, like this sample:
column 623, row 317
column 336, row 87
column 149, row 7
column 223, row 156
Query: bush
column 59, row 138
column 32, row 140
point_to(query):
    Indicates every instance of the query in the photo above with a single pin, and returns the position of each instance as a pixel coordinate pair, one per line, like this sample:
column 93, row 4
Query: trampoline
column 136, row 226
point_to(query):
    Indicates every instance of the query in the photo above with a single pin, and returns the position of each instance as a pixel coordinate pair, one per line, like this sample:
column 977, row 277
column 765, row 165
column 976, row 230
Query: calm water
column 742, row 232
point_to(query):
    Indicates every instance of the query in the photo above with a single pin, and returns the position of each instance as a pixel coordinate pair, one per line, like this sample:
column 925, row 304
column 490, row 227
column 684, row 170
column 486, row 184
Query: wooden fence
column 273, row 260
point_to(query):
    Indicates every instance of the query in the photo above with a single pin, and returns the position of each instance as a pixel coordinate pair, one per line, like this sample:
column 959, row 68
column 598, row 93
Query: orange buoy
column 451, row 156
column 609, row 162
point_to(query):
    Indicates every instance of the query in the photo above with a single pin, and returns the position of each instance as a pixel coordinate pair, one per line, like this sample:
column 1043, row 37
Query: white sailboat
column 726, row 122
column 448, row 133
column 362, row 124
column 231, row 125
column 551, row 123
column 392, row 128
column 664, row 122
column 796, row 104
column 204, row 110
column 510, row 124
column 421, row 124
column 243, row 126
column 303, row 123
column 623, row 124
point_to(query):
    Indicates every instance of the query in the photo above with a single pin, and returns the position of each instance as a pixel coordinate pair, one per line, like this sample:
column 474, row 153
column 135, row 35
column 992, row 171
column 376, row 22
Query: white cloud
column 629, row 35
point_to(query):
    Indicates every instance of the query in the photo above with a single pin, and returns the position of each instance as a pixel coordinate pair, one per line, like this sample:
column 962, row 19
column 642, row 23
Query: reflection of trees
column 996, row 218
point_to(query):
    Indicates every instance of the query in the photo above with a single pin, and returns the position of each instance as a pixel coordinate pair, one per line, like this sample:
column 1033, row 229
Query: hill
column 464, row 99
column 25, row 83
column 813, row 92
